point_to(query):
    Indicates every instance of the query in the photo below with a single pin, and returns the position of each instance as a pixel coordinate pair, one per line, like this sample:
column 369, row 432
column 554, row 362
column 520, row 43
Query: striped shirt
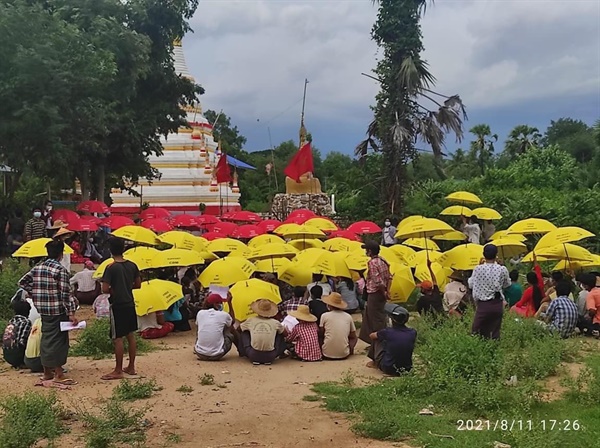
column 305, row 337
column 35, row 228
column 378, row 275
column 49, row 288
column 563, row 316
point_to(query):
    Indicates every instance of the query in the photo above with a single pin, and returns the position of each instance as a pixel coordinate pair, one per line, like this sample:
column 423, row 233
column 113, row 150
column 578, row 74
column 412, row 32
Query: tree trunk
column 84, row 183
column 101, row 185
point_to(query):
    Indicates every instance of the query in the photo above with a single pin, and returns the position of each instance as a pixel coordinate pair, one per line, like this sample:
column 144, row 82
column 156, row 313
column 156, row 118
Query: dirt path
column 258, row 406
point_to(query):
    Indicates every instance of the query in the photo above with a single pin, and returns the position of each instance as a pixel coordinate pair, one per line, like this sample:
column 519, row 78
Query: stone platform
column 284, row 204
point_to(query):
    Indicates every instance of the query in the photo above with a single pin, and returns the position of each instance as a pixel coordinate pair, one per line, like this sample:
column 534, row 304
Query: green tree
column 482, row 148
column 521, row 139
column 228, row 135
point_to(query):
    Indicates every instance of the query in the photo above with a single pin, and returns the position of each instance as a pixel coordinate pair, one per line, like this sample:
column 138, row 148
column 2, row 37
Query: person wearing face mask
column 35, row 228
column 47, row 215
column 388, row 234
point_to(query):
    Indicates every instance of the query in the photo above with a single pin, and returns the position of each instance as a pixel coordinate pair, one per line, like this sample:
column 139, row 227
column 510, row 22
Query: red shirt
column 527, row 299
column 305, row 336
column 378, row 275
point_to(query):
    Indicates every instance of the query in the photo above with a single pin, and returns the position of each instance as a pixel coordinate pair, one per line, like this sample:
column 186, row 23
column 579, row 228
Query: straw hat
column 264, row 308
column 62, row 231
column 58, row 224
column 303, row 313
column 335, row 300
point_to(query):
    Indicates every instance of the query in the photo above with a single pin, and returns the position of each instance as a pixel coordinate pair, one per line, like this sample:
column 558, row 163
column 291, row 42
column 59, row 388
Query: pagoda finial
column 177, row 43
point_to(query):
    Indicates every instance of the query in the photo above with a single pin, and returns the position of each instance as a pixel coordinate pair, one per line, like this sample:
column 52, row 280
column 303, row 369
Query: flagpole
column 273, row 160
column 220, row 202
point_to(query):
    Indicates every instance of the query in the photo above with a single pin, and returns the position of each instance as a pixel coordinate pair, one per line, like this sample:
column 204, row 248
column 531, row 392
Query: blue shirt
column 174, row 315
column 398, row 346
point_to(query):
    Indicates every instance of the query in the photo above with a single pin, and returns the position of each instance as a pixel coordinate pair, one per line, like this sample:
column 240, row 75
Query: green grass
column 185, row 389
column 130, row 390
column 207, row 379
column 461, row 377
column 94, row 342
column 11, row 273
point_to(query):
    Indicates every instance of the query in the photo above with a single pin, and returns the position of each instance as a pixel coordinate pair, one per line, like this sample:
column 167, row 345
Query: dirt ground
column 255, row 406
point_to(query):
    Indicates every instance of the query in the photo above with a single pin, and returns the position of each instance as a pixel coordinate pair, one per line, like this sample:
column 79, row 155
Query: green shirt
column 513, row 293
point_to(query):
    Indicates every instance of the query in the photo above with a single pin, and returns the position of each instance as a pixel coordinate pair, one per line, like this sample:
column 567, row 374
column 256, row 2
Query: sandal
column 66, row 382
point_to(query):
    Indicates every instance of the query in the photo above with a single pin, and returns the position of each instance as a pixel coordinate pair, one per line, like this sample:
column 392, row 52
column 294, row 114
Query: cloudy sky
column 512, row 62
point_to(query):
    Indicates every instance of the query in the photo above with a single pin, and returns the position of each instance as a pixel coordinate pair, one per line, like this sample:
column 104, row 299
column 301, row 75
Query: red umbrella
column 116, row 222
column 248, row 231
column 225, row 228
column 268, row 225
column 204, row 220
column 344, row 234
column 364, row 227
column 157, row 225
column 227, row 215
column 244, row 216
column 301, row 214
column 90, row 218
column 210, row 236
column 81, row 225
column 155, row 213
column 185, row 221
column 65, row 215
column 93, row 207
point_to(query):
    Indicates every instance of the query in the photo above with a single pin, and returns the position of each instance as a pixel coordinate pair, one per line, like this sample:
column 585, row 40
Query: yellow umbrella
column 141, row 256
column 463, row 258
column 137, row 234
column 261, row 240
column 457, row 210
column 441, row 274
column 455, row 235
column 565, row 251
column 303, row 231
column 226, row 271
column 246, row 292
column 409, row 219
column 421, row 243
column 242, row 252
column 273, row 265
column 37, row 249
column 322, row 224
column 564, row 265
column 487, row 214
column 99, row 272
column 203, row 240
column 356, row 261
column 389, row 255
column 342, row 245
column 156, row 295
column 531, row 225
column 176, row 258
column 506, row 234
column 562, row 235
column 295, row 274
column 182, row 240
column 402, row 284
column 225, row 245
column 509, row 247
column 422, row 256
column 287, row 228
column 465, row 197
column 208, row 256
column 332, row 264
column 422, row 228
column 273, row 250
column 306, row 244
column 403, row 252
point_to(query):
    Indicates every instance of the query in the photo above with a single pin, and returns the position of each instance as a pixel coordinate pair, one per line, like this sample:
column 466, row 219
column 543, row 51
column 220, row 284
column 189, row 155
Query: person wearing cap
column 430, row 301
column 305, row 336
column 86, row 288
column 337, row 328
column 397, row 345
column 377, row 285
column 453, row 294
column 261, row 338
column 488, row 282
column 215, row 329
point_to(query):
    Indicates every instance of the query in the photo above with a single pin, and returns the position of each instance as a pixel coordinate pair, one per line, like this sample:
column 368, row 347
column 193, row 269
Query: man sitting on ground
column 214, row 329
column 14, row 340
column 337, row 328
column 305, row 336
column 562, row 314
column 430, row 302
column 293, row 303
column 316, row 305
column 261, row 338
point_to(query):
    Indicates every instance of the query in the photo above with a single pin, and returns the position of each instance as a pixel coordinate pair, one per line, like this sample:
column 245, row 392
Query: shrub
column 135, row 390
column 11, row 273
column 115, row 425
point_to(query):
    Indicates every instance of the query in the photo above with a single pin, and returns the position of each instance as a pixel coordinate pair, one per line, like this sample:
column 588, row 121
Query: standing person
column 377, row 285
column 36, row 227
column 215, row 326
column 47, row 214
column 14, row 230
column 48, row 286
column 119, row 280
column 388, row 235
column 488, row 282
column 471, row 229
column 488, row 230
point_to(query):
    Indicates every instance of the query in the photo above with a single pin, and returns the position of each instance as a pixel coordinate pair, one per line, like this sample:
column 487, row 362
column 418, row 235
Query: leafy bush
column 11, row 273
column 135, row 390
column 584, row 389
column 29, row 418
column 114, row 426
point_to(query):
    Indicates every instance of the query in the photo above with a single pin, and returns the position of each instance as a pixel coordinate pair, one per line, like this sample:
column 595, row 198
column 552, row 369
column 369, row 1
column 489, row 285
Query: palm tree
column 483, row 146
column 407, row 108
column 521, row 139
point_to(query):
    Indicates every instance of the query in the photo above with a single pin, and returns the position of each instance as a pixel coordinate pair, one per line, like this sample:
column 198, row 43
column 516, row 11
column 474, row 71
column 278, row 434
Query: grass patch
column 465, row 378
column 29, row 418
column 207, row 379
column 10, row 274
column 94, row 342
column 311, row 398
column 173, row 438
column 131, row 390
column 185, row 389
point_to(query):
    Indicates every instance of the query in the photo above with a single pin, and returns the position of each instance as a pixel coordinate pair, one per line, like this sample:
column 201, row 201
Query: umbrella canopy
column 508, row 247
column 422, row 228
column 273, row 250
column 345, row 234
column 226, row 272
column 364, row 228
column 531, row 225
column 155, row 213
column 116, row 222
column 403, row 252
column 464, row 197
column 36, row 249
column 332, row 264
column 303, row 231
column 82, row 225
column 93, row 207
column 341, row 245
column 226, row 228
column 244, row 293
column 99, row 272
column 295, row 274
column 457, row 210
column 244, row 216
column 506, row 234
column 463, row 258
column 268, row 225
column 141, row 256
column 421, row 243
column 182, row 240
column 560, row 235
column 272, row 265
column 324, row 224
column 65, row 215
column 422, row 256
column 306, row 244
column 402, row 284
column 137, row 234
column 409, row 219
column 185, row 221
column 156, row 295
column 441, row 274
column 300, row 216
column 455, row 235
column 247, row 231
column 566, row 251
column 356, row 261
column 211, row 236
column 389, row 255
column 205, row 220
column 225, row 245
column 243, row 252
column 568, row 265
column 91, row 218
column 157, row 225
column 287, row 228
column 261, row 240
column 176, row 258
column 487, row 214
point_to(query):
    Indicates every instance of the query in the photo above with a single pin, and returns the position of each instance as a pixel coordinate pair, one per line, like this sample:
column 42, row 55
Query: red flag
column 300, row 164
column 222, row 170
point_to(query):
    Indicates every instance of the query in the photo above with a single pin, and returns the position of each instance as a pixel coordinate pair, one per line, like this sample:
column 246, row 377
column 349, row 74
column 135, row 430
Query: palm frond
column 414, row 75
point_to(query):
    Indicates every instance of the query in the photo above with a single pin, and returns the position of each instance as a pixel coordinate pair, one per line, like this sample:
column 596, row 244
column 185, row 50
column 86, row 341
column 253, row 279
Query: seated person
column 590, row 283
column 21, row 294
column 337, row 328
column 395, row 345
column 453, row 294
column 316, row 305
column 430, row 301
column 86, row 287
column 215, row 336
column 305, row 336
column 16, row 333
column 294, row 302
column 345, row 286
column 261, row 338
column 154, row 326
column 175, row 315
column 318, row 281
column 101, row 306
column 514, row 292
column 33, row 360
column 584, row 322
column 562, row 314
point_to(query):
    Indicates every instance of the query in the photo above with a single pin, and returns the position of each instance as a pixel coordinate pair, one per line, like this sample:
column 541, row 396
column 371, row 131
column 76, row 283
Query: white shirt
column 211, row 324
column 487, row 280
column 148, row 321
column 388, row 235
column 453, row 295
column 66, row 262
column 325, row 286
column 84, row 280
column 473, row 233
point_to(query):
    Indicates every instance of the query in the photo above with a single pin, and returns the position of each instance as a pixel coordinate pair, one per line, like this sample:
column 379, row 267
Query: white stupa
column 187, row 169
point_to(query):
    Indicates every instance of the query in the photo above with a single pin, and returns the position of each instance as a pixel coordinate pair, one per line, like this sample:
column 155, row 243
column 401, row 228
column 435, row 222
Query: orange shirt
column 592, row 302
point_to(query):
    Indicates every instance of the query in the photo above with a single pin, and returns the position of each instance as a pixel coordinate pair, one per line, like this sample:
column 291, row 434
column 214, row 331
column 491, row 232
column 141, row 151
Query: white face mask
column 387, row 223
column 37, row 214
